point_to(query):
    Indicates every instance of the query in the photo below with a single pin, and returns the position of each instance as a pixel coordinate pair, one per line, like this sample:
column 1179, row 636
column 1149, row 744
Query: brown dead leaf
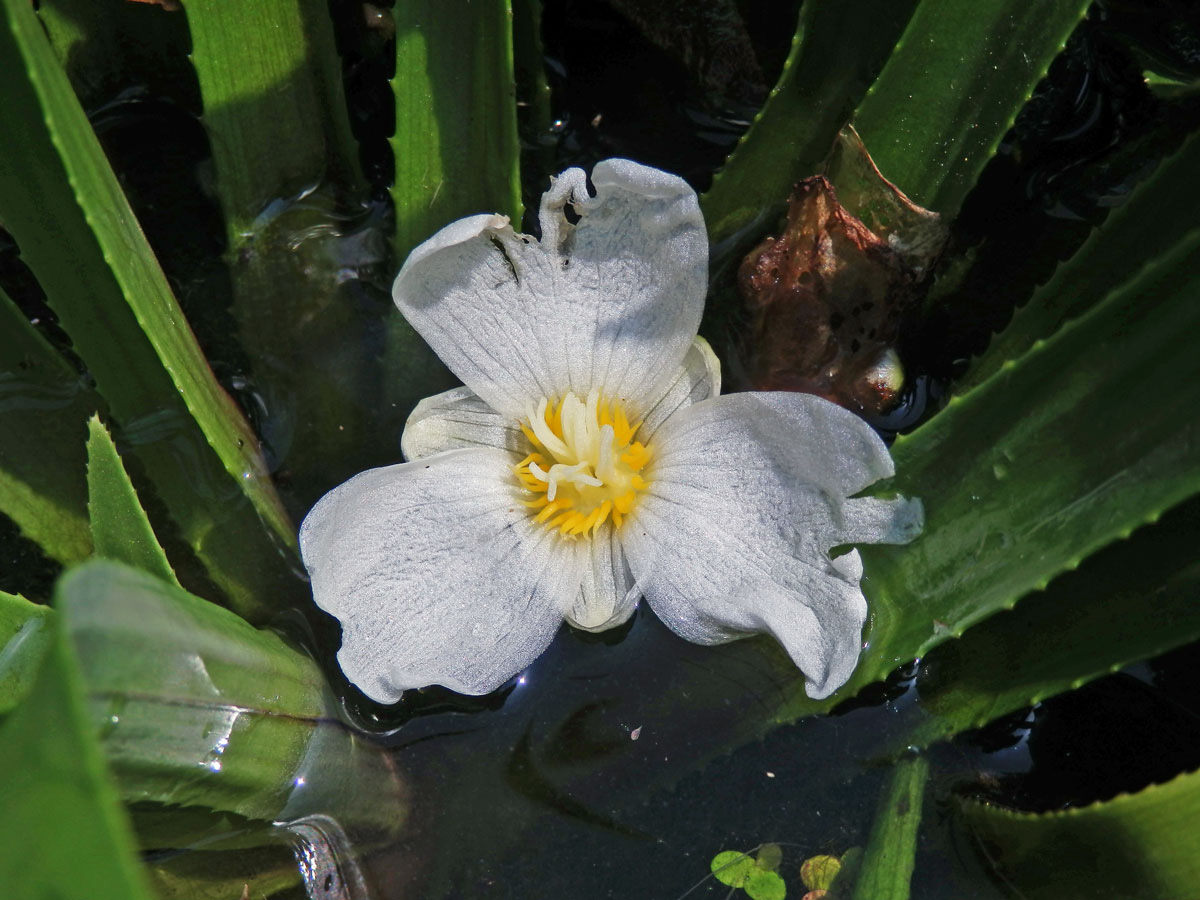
column 827, row 297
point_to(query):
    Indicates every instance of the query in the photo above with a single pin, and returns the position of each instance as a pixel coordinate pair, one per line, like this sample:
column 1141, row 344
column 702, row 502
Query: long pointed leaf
column 1030, row 472
column 43, row 405
column 838, row 50
column 63, row 205
column 120, row 529
column 1143, row 845
column 285, row 207
column 455, row 146
column 1135, row 599
column 64, row 832
column 455, row 149
column 1157, row 216
column 960, row 74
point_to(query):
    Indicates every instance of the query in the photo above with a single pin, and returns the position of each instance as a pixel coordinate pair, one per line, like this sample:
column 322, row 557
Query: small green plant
column 757, row 875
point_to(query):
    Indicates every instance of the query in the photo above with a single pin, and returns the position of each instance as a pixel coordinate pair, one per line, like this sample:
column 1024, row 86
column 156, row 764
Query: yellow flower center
column 585, row 464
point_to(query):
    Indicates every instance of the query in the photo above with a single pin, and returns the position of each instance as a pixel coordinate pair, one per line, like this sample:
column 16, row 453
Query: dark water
column 597, row 775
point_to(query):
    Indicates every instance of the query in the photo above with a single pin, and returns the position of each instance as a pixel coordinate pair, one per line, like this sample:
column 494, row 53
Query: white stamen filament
column 551, row 441
column 605, row 468
column 561, row 472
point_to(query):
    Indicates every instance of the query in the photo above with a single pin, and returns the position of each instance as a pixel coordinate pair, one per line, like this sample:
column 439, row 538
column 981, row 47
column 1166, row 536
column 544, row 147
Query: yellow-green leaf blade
column 25, row 632
column 1143, row 845
column 120, row 529
column 62, row 203
column 64, row 832
column 43, row 404
column 887, row 863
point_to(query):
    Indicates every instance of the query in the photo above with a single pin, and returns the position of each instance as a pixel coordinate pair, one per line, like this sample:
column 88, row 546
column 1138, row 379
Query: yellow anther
column 636, row 456
column 586, row 459
column 624, row 503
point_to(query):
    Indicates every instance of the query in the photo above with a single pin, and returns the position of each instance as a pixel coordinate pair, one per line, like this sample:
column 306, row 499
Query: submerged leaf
column 888, row 861
column 220, row 715
column 295, row 230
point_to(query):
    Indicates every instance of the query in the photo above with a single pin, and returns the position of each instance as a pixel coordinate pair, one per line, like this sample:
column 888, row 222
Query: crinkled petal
column 699, row 378
column 437, row 574
column 748, row 494
column 611, row 301
column 457, row 419
column 607, row 595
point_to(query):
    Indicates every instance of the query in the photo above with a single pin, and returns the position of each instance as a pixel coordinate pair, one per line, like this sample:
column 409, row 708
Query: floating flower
column 588, row 462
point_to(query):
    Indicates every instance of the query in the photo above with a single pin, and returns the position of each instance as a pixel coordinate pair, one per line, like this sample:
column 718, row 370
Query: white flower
column 589, row 462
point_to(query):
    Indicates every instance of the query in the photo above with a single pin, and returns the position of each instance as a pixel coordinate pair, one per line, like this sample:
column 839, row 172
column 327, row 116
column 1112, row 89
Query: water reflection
column 326, row 860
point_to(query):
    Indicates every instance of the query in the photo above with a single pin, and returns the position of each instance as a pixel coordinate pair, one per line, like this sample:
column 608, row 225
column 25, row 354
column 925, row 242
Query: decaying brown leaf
column 826, row 298
column 916, row 233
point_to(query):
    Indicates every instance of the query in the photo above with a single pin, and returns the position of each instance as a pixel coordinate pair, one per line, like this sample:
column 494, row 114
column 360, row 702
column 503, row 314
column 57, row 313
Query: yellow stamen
column 584, row 468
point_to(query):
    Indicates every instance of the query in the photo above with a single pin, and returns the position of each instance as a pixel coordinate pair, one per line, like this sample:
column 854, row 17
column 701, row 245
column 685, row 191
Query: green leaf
column 838, row 50
column 293, row 88
column 1133, row 600
column 820, row 872
column 953, row 87
column 64, row 832
column 286, row 205
column 1025, row 476
column 120, row 529
column 455, row 146
column 765, row 885
column 456, row 153
column 887, row 864
column 769, row 857
column 62, row 204
column 732, row 867
column 43, row 403
column 1155, row 219
column 25, row 633
column 1144, row 845
column 220, row 715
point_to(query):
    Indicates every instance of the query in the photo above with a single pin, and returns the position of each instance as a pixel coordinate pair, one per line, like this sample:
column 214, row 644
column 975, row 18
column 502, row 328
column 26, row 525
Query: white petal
column 748, row 494
column 611, row 301
column 437, row 574
column 699, row 378
column 607, row 595
column 457, row 419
